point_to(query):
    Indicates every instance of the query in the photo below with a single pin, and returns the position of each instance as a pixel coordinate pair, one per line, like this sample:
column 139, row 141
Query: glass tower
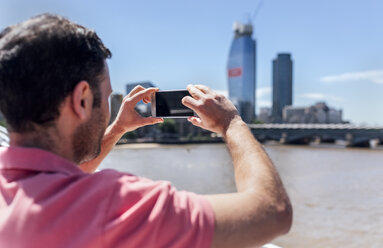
column 241, row 71
column 282, row 85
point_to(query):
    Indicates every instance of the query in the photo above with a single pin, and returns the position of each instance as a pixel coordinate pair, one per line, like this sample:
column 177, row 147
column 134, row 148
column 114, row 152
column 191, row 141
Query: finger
column 196, row 121
column 190, row 102
column 194, row 92
column 142, row 94
column 203, row 88
column 136, row 89
column 146, row 99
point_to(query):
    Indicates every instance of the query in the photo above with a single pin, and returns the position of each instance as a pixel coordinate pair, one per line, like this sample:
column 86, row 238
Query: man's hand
column 127, row 118
column 215, row 111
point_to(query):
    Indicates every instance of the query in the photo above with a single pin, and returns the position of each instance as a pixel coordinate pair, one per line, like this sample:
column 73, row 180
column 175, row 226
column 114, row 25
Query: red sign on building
column 235, row 72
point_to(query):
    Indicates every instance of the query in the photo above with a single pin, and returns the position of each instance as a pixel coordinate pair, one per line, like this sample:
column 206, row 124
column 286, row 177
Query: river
column 336, row 192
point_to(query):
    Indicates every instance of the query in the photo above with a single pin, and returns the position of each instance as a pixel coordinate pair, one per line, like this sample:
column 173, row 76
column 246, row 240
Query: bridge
column 353, row 135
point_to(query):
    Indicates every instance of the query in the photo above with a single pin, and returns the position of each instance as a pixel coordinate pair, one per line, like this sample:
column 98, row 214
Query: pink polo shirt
column 47, row 201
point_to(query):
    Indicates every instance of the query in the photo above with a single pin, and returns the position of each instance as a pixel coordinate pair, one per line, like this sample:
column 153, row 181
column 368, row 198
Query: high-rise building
column 241, row 71
column 282, row 85
column 115, row 104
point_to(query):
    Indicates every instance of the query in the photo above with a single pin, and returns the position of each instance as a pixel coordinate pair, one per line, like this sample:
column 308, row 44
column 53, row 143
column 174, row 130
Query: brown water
column 337, row 193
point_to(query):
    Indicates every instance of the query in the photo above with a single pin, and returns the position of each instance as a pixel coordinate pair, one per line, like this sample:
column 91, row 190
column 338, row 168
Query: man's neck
column 47, row 139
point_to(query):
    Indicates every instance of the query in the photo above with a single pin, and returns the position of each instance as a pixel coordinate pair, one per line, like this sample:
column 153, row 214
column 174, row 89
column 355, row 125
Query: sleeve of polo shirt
column 144, row 213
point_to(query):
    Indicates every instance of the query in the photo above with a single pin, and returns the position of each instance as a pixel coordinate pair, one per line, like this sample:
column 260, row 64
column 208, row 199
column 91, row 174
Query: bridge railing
column 354, row 135
column 4, row 138
column 315, row 126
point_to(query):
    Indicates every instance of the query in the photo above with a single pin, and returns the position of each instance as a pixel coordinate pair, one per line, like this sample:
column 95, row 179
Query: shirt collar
column 35, row 159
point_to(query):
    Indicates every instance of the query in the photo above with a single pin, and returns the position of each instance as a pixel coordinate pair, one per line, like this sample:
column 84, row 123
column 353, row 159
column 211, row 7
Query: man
column 55, row 85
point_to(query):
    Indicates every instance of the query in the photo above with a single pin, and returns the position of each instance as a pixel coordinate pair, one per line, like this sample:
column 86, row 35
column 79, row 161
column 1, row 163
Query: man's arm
column 127, row 120
column 260, row 210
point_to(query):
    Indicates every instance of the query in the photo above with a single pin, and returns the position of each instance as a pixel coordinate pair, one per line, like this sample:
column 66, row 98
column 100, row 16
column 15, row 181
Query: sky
column 336, row 45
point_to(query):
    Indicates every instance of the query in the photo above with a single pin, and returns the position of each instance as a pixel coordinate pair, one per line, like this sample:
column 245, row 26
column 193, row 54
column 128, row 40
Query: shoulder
column 122, row 179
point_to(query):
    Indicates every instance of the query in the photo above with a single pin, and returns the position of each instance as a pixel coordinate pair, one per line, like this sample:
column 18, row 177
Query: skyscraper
column 282, row 85
column 241, row 71
column 115, row 104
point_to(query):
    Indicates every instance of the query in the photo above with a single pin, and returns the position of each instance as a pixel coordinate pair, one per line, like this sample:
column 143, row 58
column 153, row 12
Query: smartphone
column 168, row 104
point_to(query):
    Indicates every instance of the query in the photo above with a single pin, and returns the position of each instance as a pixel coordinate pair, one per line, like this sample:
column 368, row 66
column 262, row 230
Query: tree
column 255, row 121
column 130, row 135
column 168, row 126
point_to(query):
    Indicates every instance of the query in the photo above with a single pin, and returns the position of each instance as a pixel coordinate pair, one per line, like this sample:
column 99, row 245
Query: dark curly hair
column 41, row 61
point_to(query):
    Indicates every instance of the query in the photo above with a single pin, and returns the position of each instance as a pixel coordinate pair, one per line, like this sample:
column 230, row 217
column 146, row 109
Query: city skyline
column 335, row 45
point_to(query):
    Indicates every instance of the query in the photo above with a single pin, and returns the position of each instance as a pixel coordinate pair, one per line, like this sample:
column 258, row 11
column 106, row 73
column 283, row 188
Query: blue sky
column 336, row 45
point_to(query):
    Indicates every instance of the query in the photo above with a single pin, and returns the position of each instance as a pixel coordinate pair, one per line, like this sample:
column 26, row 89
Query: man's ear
column 82, row 100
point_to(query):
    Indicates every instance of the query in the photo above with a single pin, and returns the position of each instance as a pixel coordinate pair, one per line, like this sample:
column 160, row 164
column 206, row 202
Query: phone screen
column 169, row 104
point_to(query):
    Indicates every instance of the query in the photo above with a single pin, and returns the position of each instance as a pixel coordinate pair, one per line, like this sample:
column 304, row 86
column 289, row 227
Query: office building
column 115, row 104
column 145, row 84
column 241, row 71
column 282, row 85
column 264, row 115
column 319, row 113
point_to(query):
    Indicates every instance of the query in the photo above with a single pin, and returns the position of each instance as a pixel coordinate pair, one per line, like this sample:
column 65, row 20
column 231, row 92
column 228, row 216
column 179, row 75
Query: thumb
column 196, row 121
column 190, row 102
column 152, row 120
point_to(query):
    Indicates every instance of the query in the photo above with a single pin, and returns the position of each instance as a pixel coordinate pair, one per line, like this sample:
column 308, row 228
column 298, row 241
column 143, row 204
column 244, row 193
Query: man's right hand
column 215, row 112
column 260, row 210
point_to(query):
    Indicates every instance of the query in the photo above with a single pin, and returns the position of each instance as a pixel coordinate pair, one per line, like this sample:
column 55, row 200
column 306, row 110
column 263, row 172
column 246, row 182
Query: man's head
column 42, row 62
